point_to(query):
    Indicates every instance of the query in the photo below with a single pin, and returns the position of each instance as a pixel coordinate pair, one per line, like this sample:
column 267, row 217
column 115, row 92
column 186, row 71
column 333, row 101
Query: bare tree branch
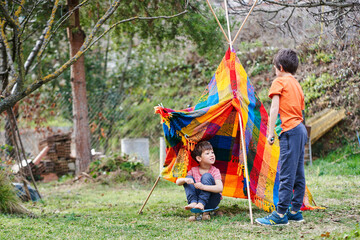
column 51, row 34
column 67, row 15
column 25, row 21
column 6, row 14
column 342, row 13
column 40, row 45
column 312, row 4
column 133, row 19
column 48, row 29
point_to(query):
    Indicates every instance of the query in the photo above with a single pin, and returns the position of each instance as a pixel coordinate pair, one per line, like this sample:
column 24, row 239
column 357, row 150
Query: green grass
column 95, row 211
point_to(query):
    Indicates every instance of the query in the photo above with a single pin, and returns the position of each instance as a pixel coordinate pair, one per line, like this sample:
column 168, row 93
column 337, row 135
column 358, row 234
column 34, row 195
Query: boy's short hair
column 200, row 148
column 288, row 59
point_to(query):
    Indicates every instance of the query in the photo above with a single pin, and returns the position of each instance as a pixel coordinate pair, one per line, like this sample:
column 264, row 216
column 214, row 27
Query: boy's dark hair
column 200, row 148
column 288, row 59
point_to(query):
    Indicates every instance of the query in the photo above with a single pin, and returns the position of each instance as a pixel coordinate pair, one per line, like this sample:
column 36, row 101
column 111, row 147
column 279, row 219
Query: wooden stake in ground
column 246, row 168
column 152, row 189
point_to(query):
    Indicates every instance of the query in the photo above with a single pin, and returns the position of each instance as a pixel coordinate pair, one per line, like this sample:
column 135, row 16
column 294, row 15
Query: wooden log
column 324, row 121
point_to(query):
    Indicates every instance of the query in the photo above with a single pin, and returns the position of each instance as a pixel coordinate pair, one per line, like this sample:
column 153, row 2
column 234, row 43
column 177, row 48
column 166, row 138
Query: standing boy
column 288, row 102
column 203, row 185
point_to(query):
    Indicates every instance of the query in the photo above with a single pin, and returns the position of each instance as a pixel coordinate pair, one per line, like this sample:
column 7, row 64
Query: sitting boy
column 203, row 185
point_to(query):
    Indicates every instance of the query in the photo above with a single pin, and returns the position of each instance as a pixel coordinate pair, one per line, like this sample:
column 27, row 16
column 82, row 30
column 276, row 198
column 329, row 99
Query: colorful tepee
column 228, row 99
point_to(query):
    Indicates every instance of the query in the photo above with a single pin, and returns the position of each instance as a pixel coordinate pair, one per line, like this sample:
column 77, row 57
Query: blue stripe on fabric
column 213, row 99
column 276, row 188
column 278, row 127
column 251, row 115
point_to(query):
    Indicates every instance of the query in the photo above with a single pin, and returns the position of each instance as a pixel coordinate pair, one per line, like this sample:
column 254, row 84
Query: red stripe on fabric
column 264, row 118
column 254, row 175
column 233, row 79
column 227, row 54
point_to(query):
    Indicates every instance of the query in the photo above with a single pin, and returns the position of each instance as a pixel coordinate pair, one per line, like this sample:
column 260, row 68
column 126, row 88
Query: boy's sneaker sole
column 302, row 220
column 278, row 224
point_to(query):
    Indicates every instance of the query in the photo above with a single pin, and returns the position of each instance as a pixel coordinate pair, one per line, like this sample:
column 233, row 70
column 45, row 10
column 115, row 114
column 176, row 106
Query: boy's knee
column 207, row 179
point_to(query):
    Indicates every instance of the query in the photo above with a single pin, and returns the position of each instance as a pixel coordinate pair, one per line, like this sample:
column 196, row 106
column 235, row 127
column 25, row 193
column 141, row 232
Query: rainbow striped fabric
column 228, row 98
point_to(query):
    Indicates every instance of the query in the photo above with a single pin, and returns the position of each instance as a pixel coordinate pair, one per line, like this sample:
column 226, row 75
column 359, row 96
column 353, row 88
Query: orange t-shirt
column 291, row 102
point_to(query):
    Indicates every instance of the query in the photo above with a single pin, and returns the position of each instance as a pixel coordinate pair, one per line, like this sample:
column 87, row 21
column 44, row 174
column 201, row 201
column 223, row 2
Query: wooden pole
column 152, row 189
column 23, row 150
column 242, row 25
column 246, row 168
column 314, row 202
column 228, row 23
column 17, row 150
column 217, row 20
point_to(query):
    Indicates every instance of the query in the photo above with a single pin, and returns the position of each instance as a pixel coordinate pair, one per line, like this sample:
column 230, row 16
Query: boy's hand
column 199, row 186
column 189, row 181
column 271, row 138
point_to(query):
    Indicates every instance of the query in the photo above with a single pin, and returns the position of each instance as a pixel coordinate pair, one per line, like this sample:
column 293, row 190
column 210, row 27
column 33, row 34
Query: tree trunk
column 4, row 82
column 78, row 85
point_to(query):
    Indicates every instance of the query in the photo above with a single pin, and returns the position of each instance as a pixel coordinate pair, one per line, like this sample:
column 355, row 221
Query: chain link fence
column 39, row 117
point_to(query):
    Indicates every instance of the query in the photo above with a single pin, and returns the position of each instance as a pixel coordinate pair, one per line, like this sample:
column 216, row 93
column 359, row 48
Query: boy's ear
column 198, row 158
column 281, row 68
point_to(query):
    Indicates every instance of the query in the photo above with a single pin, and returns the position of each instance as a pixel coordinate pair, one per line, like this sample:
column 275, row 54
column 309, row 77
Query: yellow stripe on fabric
column 212, row 113
column 266, row 169
column 232, row 188
column 223, row 83
column 271, row 158
column 236, row 125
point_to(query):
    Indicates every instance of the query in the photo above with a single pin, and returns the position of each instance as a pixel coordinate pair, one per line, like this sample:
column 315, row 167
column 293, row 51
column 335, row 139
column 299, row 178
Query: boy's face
column 207, row 157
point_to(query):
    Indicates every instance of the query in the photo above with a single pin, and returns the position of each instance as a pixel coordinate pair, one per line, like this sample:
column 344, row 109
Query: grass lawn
column 95, row 211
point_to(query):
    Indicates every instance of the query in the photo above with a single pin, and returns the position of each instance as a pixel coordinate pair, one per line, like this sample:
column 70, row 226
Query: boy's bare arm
column 217, row 188
column 274, row 110
column 182, row 181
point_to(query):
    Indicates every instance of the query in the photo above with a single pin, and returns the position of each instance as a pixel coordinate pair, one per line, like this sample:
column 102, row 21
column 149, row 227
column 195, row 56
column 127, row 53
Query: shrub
column 118, row 168
column 322, row 57
column 9, row 202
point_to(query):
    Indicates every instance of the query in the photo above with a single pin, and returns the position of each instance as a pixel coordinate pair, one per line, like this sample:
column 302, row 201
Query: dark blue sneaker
column 297, row 217
column 273, row 219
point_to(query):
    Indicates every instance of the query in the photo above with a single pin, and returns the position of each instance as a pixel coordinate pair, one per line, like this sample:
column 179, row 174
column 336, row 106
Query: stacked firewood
column 58, row 159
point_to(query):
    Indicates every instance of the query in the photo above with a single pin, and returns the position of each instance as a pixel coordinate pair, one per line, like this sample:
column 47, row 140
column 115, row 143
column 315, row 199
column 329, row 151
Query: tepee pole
column 152, row 189
column 161, row 163
column 246, row 168
column 242, row 25
column 217, row 20
column 228, row 23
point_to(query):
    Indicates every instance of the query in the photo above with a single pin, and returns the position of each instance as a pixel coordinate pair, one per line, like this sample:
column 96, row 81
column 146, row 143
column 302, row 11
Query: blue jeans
column 208, row 199
column 292, row 175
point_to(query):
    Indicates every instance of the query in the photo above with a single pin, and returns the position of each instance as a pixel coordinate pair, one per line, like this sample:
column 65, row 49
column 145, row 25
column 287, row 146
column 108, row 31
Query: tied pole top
column 228, row 39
